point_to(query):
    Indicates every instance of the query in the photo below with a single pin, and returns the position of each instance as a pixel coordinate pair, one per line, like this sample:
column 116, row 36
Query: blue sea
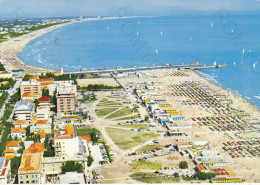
column 141, row 41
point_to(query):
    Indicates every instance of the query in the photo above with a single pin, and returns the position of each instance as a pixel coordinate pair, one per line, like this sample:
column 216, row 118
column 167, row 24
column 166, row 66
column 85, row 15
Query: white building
column 17, row 132
column 6, row 75
column 5, row 171
column 24, row 110
column 72, row 178
column 43, row 113
column 67, row 148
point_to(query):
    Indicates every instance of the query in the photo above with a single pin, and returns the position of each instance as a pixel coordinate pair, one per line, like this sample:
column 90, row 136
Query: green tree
column 90, row 160
column 94, row 137
column 176, row 174
column 48, row 152
column 20, row 150
column 204, row 176
column 146, row 118
column 183, row 165
column 27, row 131
column 71, row 166
column 45, row 92
column 15, row 163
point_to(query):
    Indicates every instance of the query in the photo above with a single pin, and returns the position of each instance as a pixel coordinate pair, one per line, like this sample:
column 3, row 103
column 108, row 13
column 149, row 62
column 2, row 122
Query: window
column 36, row 181
column 21, row 182
column 33, row 181
column 27, row 182
column 26, row 176
column 32, row 176
column 36, row 176
column 21, row 177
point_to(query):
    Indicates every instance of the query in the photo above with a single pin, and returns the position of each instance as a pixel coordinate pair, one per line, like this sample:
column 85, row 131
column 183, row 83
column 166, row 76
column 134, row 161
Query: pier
column 195, row 66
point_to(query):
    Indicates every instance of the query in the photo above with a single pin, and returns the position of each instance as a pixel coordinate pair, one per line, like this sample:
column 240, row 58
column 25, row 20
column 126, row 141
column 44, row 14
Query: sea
column 219, row 38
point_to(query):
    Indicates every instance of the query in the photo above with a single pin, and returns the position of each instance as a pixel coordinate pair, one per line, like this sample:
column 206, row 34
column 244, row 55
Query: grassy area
column 122, row 112
column 188, row 178
column 87, row 131
column 126, row 139
column 105, row 102
column 105, row 111
column 148, row 165
column 149, row 148
column 127, row 117
column 149, row 177
column 136, row 126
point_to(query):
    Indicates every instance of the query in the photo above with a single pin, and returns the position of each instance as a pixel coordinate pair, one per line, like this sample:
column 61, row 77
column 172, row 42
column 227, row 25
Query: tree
column 146, row 118
column 90, row 160
column 15, row 163
column 45, row 92
column 204, row 176
column 20, row 150
column 71, row 166
column 183, row 165
column 176, row 174
column 46, row 142
column 48, row 152
column 28, row 132
column 94, row 137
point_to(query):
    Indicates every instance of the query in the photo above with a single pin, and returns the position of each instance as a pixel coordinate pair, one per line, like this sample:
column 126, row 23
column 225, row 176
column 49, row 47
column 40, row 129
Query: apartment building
column 31, row 88
column 24, row 110
column 66, row 100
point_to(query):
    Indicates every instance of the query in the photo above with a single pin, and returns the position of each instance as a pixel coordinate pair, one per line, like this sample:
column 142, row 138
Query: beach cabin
column 163, row 121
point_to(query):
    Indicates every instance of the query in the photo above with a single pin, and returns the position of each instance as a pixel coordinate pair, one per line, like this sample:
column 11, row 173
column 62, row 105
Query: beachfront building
column 24, row 110
column 66, row 100
column 30, row 88
column 30, row 170
column 5, row 171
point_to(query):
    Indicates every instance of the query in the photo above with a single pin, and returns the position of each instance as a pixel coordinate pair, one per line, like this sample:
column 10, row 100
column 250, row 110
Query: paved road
column 10, row 93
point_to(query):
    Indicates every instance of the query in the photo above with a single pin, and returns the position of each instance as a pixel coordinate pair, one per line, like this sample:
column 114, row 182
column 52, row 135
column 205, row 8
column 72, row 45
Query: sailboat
column 243, row 51
column 156, row 51
column 249, row 51
column 212, row 26
column 215, row 63
column 232, row 31
column 190, row 39
column 234, row 63
column 161, row 32
column 137, row 33
column 254, row 65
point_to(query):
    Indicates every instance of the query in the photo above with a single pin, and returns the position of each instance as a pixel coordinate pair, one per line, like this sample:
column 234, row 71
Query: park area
column 149, row 177
column 115, row 109
column 126, row 139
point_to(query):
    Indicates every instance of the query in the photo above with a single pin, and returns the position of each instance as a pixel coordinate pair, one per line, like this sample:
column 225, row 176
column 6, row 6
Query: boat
column 161, row 32
column 243, row 51
column 190, row 39
column 212, row 26
column 254, row 65
column 137, row 33
column 156, row 51
column 234, row 63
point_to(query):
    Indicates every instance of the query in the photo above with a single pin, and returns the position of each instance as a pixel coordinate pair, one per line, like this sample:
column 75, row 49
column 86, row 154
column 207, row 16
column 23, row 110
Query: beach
column 166, row 81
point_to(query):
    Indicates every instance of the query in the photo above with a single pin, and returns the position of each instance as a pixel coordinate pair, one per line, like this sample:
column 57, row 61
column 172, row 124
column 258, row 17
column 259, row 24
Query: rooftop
column 29, row 163
column 12, row 144
column 23, row 105
column 15, row 130
column 44, row 99
column 35, row 148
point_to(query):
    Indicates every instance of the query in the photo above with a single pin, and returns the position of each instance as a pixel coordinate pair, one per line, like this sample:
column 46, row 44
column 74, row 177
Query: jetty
column 195, row 66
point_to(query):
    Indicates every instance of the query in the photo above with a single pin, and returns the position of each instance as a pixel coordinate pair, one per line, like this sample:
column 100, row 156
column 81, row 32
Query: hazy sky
column 50, row 8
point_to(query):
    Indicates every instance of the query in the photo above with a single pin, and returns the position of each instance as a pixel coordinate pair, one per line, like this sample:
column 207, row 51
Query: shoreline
column 10, row 48
column 254, row 107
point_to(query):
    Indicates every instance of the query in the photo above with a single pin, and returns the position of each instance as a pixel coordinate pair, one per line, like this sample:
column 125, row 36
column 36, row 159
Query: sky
column 61, row 8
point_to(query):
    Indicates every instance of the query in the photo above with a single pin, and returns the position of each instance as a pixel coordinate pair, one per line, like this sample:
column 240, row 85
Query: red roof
column 35, row 148
column 44, row 99
column 45, row 80
column 86, row 137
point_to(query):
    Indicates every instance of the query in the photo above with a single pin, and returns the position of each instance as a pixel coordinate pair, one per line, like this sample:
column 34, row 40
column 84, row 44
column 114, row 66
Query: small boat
column 137, row 33
column 234, row 63
column 212, row 26
column 254, row 65
column 156, row 51
column 243, row 51
column 190, row 39
column 161, row 32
